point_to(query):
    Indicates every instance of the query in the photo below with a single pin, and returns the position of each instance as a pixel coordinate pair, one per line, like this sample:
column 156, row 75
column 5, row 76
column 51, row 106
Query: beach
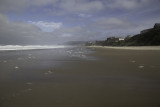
column 130, row 47
column 80, row 77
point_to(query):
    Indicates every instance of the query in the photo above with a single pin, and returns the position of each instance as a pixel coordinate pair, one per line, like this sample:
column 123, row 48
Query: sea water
column 29, row 47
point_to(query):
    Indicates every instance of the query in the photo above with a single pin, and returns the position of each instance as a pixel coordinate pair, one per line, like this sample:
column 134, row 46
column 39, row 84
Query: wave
column 29, row 47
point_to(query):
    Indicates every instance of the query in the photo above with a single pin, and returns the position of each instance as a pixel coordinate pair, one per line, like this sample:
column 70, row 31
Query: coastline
column 129, row 47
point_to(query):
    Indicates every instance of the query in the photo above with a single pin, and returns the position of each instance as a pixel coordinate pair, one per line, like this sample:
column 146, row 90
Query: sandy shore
column 110, row 78
column 130, row 47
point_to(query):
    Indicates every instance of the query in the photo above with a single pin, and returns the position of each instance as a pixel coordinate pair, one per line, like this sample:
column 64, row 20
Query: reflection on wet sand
column 80, row 77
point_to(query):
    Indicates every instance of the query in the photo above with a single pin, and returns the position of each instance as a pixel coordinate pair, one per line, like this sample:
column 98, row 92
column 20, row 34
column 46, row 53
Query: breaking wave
column 29, row 47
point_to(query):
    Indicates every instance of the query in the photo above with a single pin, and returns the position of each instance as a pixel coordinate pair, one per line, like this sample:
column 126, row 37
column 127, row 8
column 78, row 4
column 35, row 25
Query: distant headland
column 147, row 37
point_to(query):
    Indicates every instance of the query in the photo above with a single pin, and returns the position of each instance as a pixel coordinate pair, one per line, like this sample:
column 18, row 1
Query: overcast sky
column 46, row 22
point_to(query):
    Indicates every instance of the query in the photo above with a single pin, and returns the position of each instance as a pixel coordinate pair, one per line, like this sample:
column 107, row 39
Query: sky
column 49, row 22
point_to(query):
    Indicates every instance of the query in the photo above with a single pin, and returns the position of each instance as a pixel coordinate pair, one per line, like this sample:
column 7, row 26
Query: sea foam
column 29, row 47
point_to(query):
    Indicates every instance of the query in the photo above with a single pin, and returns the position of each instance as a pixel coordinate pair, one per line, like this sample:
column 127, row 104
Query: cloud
column 76, row 33
column 111, row 23
column 118, row 27
column 131, row 4
column 55, row 6
column 127, row 4
column 20, row 33
column 82, row 19
column 81, row 6
column 84, row 15
column 22, row 5
column 47, row 26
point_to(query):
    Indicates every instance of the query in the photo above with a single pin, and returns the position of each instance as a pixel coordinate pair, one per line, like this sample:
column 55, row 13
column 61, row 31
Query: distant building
column 120, row 39
column 114, row 39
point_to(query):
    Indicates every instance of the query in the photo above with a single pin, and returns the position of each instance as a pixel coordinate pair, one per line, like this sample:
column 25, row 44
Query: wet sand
column 104, row 78
column 130, row 47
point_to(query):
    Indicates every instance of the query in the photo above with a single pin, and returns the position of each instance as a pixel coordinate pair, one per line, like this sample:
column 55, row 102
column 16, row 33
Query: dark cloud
column 77, row 5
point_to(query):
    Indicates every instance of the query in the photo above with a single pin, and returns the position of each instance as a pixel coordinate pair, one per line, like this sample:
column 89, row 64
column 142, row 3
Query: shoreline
column 129, row 47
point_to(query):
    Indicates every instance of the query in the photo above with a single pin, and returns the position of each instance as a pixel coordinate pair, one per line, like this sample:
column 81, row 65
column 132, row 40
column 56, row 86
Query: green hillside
column 150, row 38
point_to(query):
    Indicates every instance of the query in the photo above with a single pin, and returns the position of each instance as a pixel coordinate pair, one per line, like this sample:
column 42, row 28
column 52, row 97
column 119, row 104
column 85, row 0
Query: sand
column 130, row 47
column 108, row 78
